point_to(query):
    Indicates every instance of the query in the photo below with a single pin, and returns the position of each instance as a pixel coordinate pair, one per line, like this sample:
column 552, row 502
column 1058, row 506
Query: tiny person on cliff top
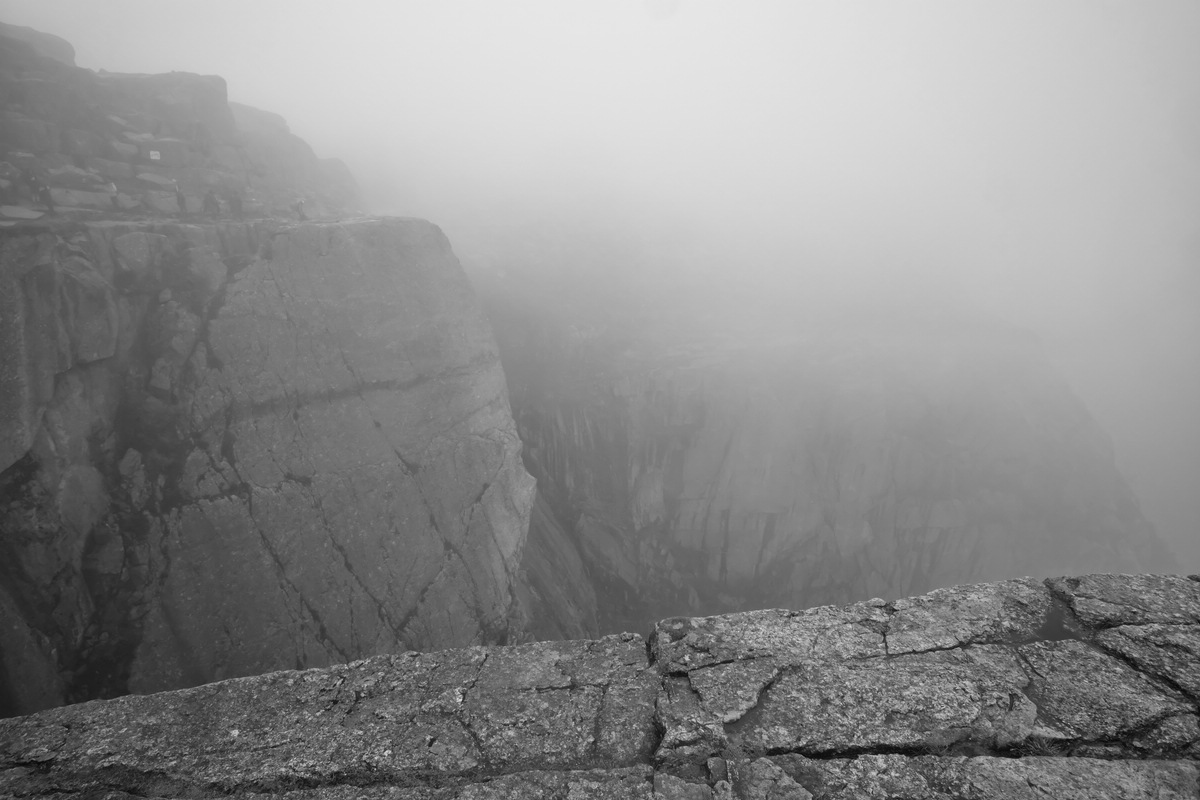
column 299, row 209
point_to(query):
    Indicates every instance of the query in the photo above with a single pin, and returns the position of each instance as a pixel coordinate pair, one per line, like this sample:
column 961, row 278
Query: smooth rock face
column 730, row 466
column 771, row 704
column 244, row 447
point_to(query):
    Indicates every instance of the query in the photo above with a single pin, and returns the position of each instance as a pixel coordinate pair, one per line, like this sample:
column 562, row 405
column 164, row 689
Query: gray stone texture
column 773, row 704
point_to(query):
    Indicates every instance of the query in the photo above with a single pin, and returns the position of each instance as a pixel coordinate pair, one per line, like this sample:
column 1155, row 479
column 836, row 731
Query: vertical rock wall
column 704, row 468
column 241, row 447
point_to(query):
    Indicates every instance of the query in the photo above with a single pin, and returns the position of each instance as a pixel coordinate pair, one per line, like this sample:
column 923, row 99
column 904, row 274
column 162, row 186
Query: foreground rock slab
column 1002, row 690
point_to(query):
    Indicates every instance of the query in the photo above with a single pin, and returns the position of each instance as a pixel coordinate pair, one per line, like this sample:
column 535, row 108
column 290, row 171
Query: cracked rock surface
column 233, row 448
column 996, row 703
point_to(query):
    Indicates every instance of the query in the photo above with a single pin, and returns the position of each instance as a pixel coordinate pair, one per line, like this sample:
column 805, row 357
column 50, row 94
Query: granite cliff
column 228, row 444
column 703, row 463
column 240, row 447
column 1072, row 687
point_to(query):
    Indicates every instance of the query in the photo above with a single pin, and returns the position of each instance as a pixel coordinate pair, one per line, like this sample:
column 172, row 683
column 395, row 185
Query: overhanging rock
column 1079, row 687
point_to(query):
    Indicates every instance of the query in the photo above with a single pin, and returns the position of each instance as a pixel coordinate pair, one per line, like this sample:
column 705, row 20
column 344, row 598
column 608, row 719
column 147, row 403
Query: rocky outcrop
column 116, row 144
column 46, row 44
column 730, row 465
column 1075, row 687
column 242, row 447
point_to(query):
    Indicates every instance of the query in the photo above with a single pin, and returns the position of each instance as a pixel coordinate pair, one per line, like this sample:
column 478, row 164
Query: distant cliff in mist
column 701, row 459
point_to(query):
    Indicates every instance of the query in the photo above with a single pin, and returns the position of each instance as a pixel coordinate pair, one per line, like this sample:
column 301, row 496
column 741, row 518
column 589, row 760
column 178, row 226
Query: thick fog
column 1037, row 161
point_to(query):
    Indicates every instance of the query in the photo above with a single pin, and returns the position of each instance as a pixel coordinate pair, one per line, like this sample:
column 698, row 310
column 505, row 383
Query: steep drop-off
column 1073, row 687
column 704, row 464
column 241, row 447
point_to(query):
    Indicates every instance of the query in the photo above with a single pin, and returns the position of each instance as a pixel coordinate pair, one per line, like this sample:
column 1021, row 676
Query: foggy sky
column 1037, row 159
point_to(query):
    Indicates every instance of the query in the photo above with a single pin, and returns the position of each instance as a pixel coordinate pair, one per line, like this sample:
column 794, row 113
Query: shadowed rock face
column 242, row 447
column 702, row 468
column 1019, row 689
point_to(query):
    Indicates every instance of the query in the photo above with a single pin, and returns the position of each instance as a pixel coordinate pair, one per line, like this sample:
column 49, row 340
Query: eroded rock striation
column 1073, row 687
column 241, row 447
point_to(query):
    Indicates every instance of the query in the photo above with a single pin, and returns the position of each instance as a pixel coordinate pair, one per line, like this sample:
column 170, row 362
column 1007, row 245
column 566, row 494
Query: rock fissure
column 280, row 567
column 482, row 717
column 1158, row 677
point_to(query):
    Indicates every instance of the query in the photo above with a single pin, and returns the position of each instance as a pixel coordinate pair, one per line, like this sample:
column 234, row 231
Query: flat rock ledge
column 1083, row 687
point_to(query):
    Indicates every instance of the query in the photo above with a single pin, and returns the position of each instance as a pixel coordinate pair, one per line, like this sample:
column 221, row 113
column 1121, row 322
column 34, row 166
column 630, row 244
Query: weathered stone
column 761, row 779
column 1092, row 696
column 671, row 787
column 1105, row 601
column 925, row 700
column 880, row 777
column 451, row 713
column 1168, row 652
column 598, row 719
column 729, row 690
column 854, row 631
column 989, row 613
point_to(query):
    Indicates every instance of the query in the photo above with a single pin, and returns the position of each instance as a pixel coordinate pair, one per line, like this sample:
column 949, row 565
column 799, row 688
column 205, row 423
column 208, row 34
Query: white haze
column 1037, row 159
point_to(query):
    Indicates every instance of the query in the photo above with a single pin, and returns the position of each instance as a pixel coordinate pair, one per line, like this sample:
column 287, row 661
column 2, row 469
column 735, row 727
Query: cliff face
column 119, row 144
column 710, row 468
column 241, row 447
column 1075, row 687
